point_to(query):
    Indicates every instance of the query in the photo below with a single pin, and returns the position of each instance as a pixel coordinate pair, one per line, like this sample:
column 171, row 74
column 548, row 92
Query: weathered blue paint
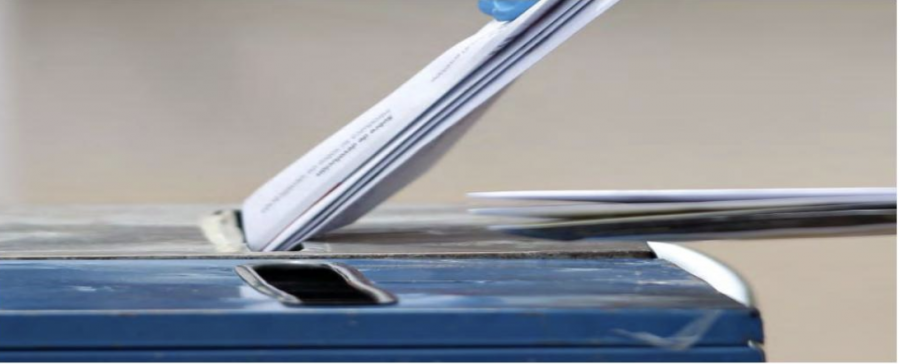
column 529, row 354
column 192, row 308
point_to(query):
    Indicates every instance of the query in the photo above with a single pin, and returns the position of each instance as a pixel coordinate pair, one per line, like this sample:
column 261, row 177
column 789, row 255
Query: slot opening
column 313, row 284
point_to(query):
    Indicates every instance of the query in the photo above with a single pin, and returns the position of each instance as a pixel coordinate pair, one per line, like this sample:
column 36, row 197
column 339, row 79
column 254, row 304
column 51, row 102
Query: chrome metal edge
column 717, row 274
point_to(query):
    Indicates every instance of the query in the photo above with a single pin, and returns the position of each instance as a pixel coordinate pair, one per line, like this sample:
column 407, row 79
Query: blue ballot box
column 446, row 293
column 614, row 309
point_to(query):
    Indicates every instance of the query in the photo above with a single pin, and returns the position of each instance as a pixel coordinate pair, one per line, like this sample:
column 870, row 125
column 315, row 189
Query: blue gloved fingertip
column 505, row 10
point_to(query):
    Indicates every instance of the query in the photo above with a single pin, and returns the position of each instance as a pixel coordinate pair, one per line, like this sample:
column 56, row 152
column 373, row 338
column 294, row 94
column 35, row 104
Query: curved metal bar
column 717, row 274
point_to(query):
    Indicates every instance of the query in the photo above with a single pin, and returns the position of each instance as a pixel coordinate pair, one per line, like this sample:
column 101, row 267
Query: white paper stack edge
column 689, row 215
column 396, row 140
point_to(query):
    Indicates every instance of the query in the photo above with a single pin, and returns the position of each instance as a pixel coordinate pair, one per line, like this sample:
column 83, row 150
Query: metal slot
column 313, row 284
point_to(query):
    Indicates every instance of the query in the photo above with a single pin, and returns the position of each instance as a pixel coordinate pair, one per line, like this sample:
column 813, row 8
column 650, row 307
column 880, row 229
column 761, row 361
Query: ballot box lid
column 200, row 231
column 132, row 304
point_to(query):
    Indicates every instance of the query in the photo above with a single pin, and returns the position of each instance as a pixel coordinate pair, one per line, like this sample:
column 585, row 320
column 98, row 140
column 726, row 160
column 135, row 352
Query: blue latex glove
column 505, row 10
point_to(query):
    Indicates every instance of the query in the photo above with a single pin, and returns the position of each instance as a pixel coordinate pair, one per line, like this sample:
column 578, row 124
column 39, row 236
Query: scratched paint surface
column 134, row 303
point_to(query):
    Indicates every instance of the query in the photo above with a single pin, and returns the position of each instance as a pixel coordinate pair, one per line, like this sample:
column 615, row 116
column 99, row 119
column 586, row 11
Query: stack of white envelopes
column 396, row 140
column 688, row 215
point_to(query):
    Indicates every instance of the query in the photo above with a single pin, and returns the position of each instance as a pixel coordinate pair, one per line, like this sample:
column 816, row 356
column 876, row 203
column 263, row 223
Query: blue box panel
column 477, row 309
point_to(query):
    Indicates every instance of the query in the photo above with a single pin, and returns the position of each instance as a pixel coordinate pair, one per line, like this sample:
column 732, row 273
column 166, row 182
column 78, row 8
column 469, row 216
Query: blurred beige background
column 127, row 101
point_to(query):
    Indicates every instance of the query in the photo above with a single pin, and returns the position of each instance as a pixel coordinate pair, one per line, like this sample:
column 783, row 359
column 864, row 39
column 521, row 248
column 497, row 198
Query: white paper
column 862, row 218
column 639, row 196
column 595, row 210
column 317, row 191
column 519, row 60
